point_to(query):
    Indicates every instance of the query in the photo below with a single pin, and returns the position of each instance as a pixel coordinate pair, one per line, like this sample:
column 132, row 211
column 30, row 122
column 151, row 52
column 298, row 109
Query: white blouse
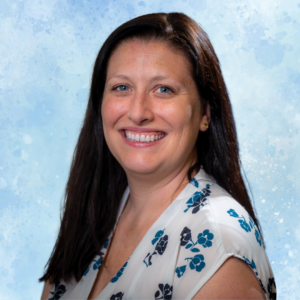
column 182, row 250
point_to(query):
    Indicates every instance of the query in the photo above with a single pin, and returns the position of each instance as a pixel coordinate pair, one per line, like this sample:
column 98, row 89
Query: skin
column 136, row 98
column 46, row 290
column 143, row 105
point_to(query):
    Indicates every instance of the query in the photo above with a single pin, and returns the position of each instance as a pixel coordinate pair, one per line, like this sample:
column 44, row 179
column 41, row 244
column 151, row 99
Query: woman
column 156, row 207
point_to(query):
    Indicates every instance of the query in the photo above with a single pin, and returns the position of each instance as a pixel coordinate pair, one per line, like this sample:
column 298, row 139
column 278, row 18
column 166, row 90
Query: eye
column 165, row 90
column 121, row 88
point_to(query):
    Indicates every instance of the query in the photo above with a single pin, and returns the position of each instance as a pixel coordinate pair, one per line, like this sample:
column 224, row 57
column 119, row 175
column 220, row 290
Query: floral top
column 186, row 245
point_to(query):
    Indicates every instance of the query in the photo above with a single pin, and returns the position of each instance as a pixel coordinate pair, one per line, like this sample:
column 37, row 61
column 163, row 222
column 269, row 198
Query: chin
column 139, row 165
column 140, row 169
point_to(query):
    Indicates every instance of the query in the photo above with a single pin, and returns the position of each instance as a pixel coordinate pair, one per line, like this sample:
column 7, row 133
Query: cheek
column 111, row 112
column 188, row 112
column 180, row 117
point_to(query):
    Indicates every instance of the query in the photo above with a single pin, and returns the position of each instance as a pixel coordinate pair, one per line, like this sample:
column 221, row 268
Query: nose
column 140, row 111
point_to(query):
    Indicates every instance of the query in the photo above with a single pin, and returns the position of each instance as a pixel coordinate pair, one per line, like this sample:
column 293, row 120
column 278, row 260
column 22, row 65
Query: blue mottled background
column 47, row 51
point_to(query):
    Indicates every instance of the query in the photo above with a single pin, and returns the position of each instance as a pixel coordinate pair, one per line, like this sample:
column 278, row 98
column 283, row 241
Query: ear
column 205, row 119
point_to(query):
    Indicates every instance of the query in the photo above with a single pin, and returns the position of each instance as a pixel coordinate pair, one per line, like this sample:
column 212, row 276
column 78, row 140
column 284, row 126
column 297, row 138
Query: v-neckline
column 200, row 175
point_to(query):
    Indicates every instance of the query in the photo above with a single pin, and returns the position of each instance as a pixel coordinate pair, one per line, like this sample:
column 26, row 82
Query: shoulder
column 226, row 215
column 233, row 280
column 235, row 226
column 225, row 228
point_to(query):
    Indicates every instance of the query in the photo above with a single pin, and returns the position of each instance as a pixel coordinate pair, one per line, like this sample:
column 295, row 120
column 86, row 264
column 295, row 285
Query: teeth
column 142, row 138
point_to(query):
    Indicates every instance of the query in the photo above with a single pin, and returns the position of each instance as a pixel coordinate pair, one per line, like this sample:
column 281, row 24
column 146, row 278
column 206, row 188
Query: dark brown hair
column 97, row 181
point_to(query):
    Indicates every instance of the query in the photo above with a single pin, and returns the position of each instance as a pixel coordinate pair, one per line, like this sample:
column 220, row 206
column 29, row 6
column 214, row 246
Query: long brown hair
column 97, row 181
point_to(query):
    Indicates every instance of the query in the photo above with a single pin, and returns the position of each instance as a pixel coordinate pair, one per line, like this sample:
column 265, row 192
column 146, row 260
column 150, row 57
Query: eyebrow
column 158, row 77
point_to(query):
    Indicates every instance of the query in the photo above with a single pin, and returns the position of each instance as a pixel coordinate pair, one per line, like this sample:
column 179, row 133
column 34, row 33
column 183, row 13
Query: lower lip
column 138, row 144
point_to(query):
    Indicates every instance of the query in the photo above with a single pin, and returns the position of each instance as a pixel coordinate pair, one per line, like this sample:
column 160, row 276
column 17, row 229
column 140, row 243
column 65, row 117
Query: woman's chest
column 147, row 263
column 116, row 256
column 125, row 240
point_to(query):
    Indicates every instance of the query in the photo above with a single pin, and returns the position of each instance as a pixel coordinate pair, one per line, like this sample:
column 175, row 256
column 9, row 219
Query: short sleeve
column 222, row 229
column 241, row 239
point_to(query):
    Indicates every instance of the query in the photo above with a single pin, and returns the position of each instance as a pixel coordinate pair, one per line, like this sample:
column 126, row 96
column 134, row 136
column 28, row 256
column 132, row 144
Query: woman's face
column 151, row 108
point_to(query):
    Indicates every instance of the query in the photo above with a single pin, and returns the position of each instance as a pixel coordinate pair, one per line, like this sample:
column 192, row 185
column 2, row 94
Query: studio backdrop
column 47, row 51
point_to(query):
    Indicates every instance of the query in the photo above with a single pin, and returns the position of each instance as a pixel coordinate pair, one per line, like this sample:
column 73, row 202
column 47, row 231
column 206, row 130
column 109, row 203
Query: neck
column 156, row 191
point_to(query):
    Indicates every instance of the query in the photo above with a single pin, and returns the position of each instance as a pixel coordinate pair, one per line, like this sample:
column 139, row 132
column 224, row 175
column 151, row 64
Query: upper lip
column 141, row 129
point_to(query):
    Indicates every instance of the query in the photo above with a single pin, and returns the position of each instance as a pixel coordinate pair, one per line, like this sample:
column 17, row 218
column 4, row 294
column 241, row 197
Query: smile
column 143, row 137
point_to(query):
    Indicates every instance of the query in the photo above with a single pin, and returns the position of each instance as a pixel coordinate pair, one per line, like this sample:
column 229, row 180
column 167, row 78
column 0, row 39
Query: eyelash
column 115, row 88
column 166, row 87
column 163, row 86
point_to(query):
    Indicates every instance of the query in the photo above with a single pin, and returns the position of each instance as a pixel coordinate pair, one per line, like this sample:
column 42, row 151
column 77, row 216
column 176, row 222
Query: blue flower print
column 185, row 236
column 233, row 213
column 106, row 243
column 159, row 248
column 194, row 182
column 180, row 271
column 86, row 271
column 251, row 222
column 117, row 296
column 120, row 273
column 205, row 238
column 257, row 235
column 59, row 290
column 164, row 292
column 251, row 264
column 253, row 267
column 162, row 245
column 197, row 263
column 198, row 200
column 245, row 225
column 97, row 263
column 158, row 234
column 192, row 200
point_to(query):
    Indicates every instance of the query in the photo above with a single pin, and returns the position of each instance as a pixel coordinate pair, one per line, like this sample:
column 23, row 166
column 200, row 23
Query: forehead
column 154, row 55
